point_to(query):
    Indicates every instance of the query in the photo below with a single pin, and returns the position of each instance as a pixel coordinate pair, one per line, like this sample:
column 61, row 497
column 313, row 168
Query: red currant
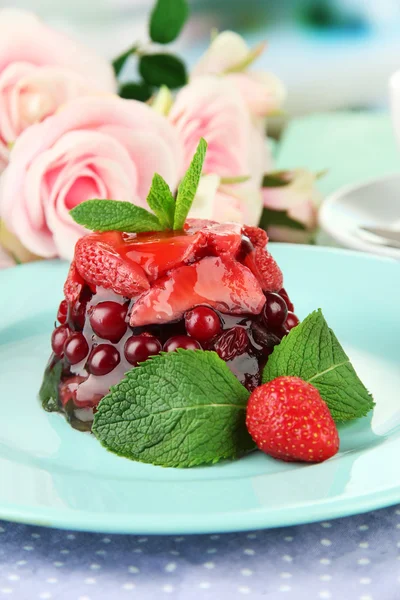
column 181, row 341
column 62, row 312
column 283, row 293
column 103, row 359
column 202, row 323
column 108, row 320
column 76, row 348
column 275, row 310
column 291, row 321
column 58, row 339
column 138, row 348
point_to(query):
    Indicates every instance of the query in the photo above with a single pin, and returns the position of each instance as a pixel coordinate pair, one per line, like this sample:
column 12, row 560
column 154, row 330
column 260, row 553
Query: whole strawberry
column 288, row 419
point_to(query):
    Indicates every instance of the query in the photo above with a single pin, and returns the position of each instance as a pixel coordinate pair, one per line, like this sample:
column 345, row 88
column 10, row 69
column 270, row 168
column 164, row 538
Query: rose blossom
column 229, row 55
column 41, row 69
column 95, row 147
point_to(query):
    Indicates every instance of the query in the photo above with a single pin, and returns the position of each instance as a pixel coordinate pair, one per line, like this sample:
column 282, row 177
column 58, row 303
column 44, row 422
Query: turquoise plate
column 53, row 475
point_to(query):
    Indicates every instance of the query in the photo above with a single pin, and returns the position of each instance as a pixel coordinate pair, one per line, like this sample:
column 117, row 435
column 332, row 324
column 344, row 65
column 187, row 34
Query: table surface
column 354, row 558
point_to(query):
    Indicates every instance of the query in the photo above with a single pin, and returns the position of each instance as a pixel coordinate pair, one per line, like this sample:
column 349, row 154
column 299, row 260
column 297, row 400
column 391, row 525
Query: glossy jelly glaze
column 194, row 301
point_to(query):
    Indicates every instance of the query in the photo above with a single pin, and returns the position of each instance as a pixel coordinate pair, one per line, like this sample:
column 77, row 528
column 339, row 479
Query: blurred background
column 330, row 53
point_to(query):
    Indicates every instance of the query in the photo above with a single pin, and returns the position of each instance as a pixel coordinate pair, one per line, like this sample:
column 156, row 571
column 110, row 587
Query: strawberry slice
column 256, row 235
column 222, row 238
column 219, row 282
column 73, row 285
column 265, row 269
column 99, row 262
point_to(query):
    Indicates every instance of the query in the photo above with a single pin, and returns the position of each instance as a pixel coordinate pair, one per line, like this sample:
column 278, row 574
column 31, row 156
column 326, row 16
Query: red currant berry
column 58, row 339
column 202, row 323
column 283, row 293
column 108, row 320
column 291, row 321
column 181, row 341
column 275, row 310
column 76, row 348
column 231, row 343
column 138, row 348
column 62, row 312
column 103, row 359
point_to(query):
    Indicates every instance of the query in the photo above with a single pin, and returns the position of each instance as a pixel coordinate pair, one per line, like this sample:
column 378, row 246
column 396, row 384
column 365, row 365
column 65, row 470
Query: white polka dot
column 365, row 580
column 128, row 586
column 204, row 585
column 363, row 561
column 326, row 542
column 288, row 538
column 21, row 563
column 287, row 558
column 168, row 588
column 211, row 550
column 249, row 551
column 35, row 536
column 251, row 536
column 209, row 565
column 65, row 551
column 142, row 540
column 363, row 545
column 170, row 567
column 6, row 590
column 363, row 528
column 101, row 552
column 246, row 572
column 45, row 596
column 244, row 589
column 13, row 577
column 133, row 570
column 326, row 525
column 58, row 564
column 325, row 594
column 325, row 561
column 95, row 567
column 214, row 537
column 138, row 551
column 71, row 536
column 52, row 580
column 325, row 577
column 28, row 548
column 285, row 575
column 284, row 588
column 89, row 580
column 179, row 539
column 174, row 552
column 106, row 540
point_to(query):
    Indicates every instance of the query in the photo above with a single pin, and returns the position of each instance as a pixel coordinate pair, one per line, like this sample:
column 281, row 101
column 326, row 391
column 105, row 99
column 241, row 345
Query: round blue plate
column 53, row 475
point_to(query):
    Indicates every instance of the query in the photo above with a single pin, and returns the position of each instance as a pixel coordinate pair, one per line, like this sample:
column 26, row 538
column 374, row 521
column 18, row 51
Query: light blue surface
column 53, row 475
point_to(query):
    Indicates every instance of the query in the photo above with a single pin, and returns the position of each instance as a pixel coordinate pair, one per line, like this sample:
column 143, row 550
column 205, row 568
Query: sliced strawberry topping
column 160, row 252
column 265, row 268
column 257, row 236
column 222, row 238
column 98, row 261
column 219, row 282
column 73, row 285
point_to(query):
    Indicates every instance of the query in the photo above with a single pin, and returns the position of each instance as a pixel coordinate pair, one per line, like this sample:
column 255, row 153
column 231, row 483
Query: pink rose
column 41, row 69
column 229, row 55
column 95, row 147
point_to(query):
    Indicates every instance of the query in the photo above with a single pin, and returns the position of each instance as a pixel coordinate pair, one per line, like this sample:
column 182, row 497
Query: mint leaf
column 163, row 69
column 48, row 393
column 167, row 19
column 312, row 352
column 161, row 201
column 188, row 186
column 165, row 414
column 114, row 215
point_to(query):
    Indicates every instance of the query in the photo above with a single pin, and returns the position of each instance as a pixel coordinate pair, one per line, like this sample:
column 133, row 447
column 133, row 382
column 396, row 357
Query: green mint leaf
column 48, row 393
column 167, row 19
column 161, row 201
column 133, row 90
column 163, row 69
column 114, row 215
column 165, row 414
column 188, row 186
column 119, row 62
column 312, row 352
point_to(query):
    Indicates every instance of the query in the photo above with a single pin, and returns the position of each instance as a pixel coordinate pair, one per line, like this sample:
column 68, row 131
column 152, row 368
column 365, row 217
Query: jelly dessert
column 129, row 296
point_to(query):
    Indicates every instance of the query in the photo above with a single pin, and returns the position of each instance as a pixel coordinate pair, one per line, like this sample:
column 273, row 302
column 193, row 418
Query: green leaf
column 167, row 19
column 48, row 393
column 161, row 201
column 163, row 413
column 275, row 179
column 188, row 186
column 133, row 90
column 278, row 217
column 163, row 69
column 312, row 352
column 114, row 215
column 119, row 62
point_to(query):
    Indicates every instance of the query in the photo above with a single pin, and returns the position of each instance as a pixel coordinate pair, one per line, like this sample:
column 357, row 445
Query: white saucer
column 375, row 203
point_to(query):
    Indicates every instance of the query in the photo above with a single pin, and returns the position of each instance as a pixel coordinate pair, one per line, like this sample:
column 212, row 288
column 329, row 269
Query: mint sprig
column 163, row 413
column 117, row 215
column 312, row 352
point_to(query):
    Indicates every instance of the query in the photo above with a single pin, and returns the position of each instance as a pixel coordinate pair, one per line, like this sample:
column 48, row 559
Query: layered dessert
column 130, row 296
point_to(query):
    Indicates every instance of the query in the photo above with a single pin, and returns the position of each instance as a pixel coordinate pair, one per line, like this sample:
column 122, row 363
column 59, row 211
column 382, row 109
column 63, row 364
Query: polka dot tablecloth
column 355, row 558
